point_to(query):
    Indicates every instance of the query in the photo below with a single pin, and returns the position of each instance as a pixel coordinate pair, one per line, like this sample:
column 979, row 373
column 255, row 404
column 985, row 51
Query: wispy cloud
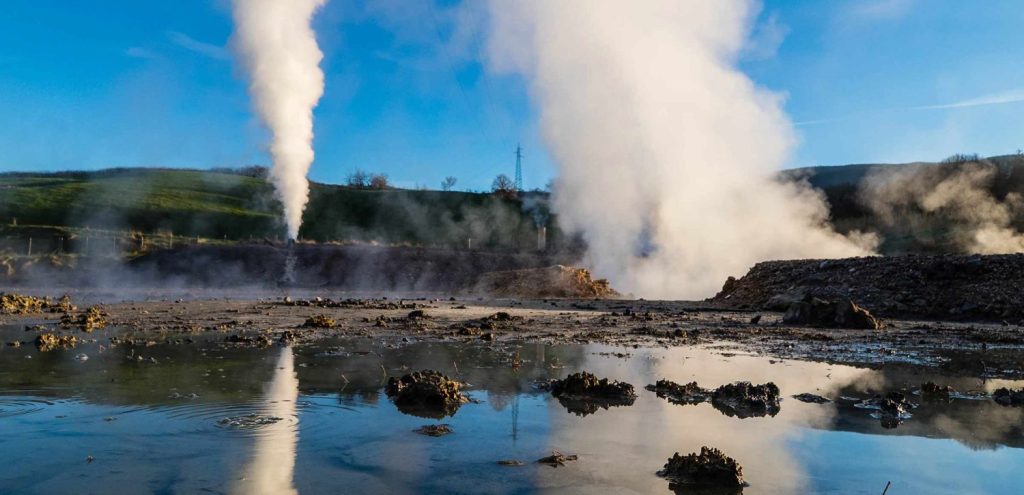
column 765, row 40
column 139, row 52
column 1011, row 96
column 881, row 9
column 187, row 42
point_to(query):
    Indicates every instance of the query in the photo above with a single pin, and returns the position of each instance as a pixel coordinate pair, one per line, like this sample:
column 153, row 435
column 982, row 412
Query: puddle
column 315, row 419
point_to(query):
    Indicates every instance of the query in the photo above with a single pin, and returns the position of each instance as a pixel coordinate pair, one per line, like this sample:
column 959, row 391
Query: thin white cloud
column 881, row 9
column 765, row 40
column 1011, row 96
column 139, row 52
column 189, row 43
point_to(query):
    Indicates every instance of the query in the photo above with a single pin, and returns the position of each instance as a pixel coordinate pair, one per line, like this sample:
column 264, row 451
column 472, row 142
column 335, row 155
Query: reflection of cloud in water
column 612, row 444
column 272, row 466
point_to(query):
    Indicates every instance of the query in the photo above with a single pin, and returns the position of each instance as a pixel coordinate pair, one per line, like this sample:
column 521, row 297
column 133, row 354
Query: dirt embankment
column 938, row 287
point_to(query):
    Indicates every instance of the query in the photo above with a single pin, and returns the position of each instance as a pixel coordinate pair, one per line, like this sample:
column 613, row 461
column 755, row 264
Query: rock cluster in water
column 426, row 393
column 708, row 469
column 583, row 393
column 1008, row 397
column 745, row 400
column 932, row 391
column 690, row 393
column 739, row 399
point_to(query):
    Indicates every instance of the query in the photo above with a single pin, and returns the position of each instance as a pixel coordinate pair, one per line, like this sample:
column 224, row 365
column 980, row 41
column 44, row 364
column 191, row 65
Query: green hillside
column 240, row 205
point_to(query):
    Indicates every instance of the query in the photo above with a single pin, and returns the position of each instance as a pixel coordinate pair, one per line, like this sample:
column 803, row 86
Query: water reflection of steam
column 271, row 468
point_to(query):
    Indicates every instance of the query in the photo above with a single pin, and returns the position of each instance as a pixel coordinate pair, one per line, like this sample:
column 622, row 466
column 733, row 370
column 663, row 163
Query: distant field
column 234, row 206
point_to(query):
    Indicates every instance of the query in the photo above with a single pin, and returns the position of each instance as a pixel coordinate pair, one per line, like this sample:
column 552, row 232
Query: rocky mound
column 709, row 469
column 820, row 313
column 745, row 400
column 583, row 393
column 551, row 281
column 930, row 286
column 426, row 393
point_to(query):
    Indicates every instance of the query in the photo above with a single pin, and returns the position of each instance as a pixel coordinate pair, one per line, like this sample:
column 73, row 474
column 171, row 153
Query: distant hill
column 240, row 205
column 219, row 205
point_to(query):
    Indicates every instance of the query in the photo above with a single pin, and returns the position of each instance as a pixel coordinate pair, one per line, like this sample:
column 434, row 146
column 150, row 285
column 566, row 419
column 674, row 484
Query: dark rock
column 893, row 408
column 557, row 459
column 583, row 393
column 811, row 398
column 744, row 400
column 425, row 393
column 708, row 469
column 821, row 313
column 932, row 391
column 434, row 430
column 690, row 393
column 1008, row 397
column 417, row 314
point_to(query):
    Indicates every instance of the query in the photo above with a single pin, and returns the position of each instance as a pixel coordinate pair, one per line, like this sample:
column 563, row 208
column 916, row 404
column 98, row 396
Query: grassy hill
column 240, row 205
column 219, row 205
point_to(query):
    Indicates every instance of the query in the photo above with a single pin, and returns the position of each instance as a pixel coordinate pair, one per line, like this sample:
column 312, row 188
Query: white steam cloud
column 948, row 198
column 667, row 153
column 278, row 47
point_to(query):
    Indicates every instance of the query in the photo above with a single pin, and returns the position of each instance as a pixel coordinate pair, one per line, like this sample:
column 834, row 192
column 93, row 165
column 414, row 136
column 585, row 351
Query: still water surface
column 151, row 420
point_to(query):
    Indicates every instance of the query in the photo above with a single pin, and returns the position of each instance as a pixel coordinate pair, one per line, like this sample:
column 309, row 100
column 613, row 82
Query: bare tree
column 358, row 179
column 448, row 183
column 379, row 181
column 503, row 186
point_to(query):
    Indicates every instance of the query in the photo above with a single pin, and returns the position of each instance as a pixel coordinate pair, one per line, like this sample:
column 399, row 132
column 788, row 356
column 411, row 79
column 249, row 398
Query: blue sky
column 86, row 85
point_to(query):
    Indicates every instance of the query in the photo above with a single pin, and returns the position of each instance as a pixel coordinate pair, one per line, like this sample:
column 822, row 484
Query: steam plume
column 954, row 198
column 667, row 152
column 278, row 48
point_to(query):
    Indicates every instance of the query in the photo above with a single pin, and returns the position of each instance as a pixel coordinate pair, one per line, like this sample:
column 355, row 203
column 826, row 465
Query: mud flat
column 272, row 318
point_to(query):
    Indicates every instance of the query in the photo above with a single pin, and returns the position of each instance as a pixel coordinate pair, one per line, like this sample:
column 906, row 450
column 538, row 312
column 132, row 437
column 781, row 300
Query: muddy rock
column 932, row 391
column 821, row 313
column 426, row 393
column 690, row 393
column 891, row 409
column 320, row 321
column 583, row 393
column 1008, row 397
column 744, row 400
column 47, row 342
column 434, row 430
column 710, row 469
column 557, row 459
column 811, row 398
